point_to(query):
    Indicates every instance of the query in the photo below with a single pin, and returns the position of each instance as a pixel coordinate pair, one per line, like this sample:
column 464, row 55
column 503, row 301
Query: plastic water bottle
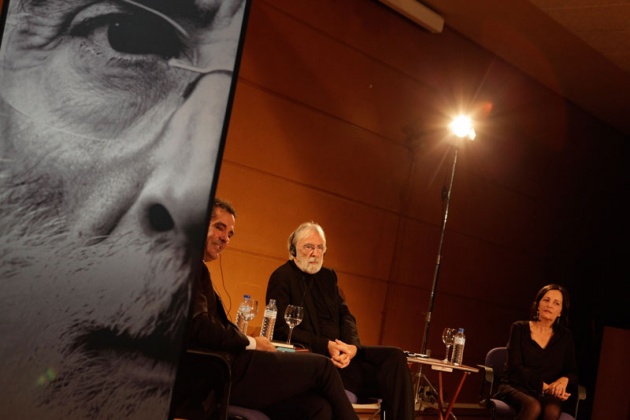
column 243, row 314
column 269, row 321
column 458, row 348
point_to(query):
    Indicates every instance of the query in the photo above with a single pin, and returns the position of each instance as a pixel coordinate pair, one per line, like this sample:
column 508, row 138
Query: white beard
column 304, row 265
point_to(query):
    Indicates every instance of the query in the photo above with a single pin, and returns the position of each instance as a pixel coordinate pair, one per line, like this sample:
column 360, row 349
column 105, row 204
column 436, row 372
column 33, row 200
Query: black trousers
column 382, row 372
column 289, row 386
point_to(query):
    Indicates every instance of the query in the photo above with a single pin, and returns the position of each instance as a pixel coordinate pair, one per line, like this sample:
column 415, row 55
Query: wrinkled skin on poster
column 111, row 117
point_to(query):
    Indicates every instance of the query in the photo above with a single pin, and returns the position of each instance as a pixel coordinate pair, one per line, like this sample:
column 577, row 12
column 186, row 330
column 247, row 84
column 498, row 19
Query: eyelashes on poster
column 112, row 117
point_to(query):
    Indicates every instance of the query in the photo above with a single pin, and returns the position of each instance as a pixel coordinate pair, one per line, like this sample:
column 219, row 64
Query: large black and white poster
column 112, row 120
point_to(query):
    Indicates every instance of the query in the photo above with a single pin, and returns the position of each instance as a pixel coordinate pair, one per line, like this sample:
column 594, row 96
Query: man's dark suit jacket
column 210, row 327
column 288, row 285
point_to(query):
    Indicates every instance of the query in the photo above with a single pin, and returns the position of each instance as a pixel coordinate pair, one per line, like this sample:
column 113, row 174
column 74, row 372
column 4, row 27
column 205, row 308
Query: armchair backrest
column 496, row 359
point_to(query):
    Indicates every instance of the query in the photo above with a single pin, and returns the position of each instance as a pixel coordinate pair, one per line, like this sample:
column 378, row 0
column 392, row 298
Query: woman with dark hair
column 541, row 369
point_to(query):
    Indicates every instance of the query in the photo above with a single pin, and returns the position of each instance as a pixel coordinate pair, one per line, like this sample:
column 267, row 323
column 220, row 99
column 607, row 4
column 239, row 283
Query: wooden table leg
column 440, row 399
column 459, row 388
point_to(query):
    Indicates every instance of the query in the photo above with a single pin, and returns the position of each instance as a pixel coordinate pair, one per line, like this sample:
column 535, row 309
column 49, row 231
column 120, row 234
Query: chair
column 366, row 406
column 202, row 390
column 493, row 370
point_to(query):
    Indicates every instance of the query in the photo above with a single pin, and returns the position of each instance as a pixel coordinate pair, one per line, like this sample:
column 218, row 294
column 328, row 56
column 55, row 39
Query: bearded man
column 112, row 115
column 330, row 329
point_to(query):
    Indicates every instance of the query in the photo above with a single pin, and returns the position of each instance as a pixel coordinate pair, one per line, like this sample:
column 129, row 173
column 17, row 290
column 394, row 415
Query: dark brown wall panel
column 405, row 317
column 365, row 297
column 286, row 139
column 330, row 76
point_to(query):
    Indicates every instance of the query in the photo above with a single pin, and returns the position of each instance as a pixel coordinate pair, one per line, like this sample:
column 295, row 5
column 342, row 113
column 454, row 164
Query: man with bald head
column 111, row 120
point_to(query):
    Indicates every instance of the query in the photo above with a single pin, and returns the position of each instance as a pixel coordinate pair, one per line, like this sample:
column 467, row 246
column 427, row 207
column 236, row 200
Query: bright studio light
column 462, row 127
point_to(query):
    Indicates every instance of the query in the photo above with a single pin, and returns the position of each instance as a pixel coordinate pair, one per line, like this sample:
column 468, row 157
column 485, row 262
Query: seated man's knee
column 398, row 358
column 324, row 365
column 400, row 355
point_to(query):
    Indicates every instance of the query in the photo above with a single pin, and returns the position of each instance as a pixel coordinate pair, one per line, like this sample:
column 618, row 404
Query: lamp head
column 462, row 126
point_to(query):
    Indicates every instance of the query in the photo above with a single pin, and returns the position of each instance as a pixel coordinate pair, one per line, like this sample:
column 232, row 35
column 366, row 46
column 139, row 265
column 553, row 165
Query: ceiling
column 602, row 24
column 578, row 48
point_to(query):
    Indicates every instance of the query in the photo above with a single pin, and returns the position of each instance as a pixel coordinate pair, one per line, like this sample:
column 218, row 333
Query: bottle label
column 271, row 314
column 460, row 340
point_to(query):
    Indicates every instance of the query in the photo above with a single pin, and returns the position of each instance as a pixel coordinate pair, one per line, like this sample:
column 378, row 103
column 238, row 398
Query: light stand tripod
column 425, row 396
column 461, row 127
column 446, row 196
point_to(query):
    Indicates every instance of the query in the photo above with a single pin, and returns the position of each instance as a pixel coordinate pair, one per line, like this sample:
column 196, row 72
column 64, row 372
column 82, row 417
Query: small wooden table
column 441, row 366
